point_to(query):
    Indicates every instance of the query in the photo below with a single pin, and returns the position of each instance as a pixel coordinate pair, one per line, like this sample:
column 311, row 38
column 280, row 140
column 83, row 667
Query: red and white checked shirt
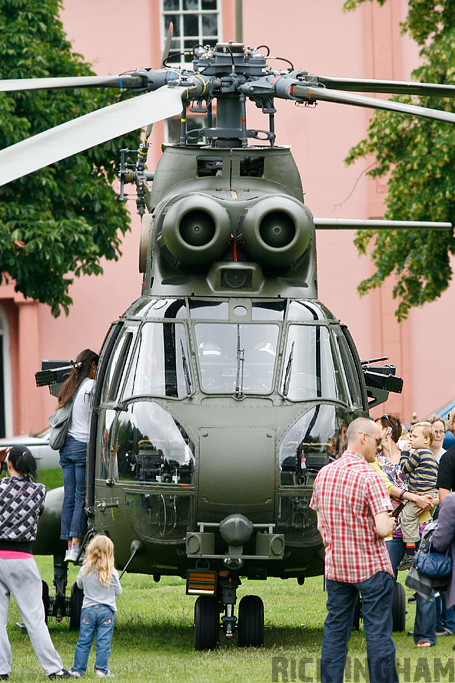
column 348, row 494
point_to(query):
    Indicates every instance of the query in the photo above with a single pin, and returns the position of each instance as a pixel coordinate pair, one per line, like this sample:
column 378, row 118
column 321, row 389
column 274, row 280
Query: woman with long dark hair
column 78, row 389
column 21, row 504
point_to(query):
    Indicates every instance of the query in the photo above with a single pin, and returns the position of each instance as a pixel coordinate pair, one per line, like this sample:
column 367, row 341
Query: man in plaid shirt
column 353, row 507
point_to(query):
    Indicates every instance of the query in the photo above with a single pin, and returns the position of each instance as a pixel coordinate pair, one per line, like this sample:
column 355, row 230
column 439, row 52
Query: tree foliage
column 419, row 155
column 60, row 221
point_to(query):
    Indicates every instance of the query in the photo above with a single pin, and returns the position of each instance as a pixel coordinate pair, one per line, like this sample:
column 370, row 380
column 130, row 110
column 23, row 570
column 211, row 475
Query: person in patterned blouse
column 21, row 504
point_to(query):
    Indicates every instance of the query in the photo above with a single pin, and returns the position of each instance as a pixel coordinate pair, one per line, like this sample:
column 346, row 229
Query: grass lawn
column 153, row 638
column 51, row 478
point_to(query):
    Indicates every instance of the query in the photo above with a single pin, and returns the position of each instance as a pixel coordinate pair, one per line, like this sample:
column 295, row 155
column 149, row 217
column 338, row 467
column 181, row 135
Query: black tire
column 206, row 623
column 357, row 613
column 76, row 599
column 251, row 622
column 45, row 596
column 399, row 608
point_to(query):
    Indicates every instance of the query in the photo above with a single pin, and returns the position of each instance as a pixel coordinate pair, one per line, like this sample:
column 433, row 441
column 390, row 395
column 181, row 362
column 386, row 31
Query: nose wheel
column 251, row 621
column 206, row 623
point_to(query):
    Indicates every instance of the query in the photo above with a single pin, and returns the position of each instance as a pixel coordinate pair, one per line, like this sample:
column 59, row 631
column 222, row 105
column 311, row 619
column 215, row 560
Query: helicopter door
column 236, row 472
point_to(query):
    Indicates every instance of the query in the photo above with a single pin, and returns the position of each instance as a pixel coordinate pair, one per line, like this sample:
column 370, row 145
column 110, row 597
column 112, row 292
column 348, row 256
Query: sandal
column 423, row 643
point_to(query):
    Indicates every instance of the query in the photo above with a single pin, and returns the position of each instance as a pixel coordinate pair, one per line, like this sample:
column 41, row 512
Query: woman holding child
column 388, row 463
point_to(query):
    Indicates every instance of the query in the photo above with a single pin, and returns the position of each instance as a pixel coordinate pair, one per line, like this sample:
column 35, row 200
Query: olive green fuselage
column 225, row 388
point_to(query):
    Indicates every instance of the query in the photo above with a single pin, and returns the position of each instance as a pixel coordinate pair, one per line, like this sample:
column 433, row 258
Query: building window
column 196, row 22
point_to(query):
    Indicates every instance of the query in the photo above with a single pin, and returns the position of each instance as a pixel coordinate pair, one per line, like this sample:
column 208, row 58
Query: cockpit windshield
column 311, row 366
column 236, row 358
column 160, row 364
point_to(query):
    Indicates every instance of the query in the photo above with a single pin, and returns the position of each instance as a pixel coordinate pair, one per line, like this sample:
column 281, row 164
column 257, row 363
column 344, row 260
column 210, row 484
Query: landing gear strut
column 58, row 605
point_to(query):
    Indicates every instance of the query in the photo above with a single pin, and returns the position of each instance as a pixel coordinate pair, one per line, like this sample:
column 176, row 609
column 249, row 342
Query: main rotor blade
column 16, row 84
column 164, row 56
column 167, row 45
column 314, row 94
column 87, row 131
column 392, row 87
column 379, row 224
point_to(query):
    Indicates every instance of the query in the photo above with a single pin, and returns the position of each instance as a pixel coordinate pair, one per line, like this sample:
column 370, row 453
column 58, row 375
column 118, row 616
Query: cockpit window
column 268, row 310
column 311, row 367
column 118, row 364
column 315, row 439
column 308, row 310
column 206, row 310
column 236, row 359
column 167, row 308
column 146, row 444
column 160, row 364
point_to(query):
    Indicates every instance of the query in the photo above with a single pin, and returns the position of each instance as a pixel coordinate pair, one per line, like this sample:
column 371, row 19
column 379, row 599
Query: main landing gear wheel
column 76, row 599
column 399, row 608
column 206, row 623
column 251, row 621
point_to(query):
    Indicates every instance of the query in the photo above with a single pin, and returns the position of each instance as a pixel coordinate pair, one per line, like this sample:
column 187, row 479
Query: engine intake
column 277, row 230
column 196, row 234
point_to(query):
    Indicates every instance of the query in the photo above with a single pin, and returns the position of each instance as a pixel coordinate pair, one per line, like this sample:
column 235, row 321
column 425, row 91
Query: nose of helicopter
column 237, row 472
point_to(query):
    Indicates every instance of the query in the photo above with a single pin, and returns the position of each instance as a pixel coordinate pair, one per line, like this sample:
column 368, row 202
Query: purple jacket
column 444, row 537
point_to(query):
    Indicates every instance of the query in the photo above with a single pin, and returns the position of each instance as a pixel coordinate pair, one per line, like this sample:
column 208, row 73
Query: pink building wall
column 317, row 37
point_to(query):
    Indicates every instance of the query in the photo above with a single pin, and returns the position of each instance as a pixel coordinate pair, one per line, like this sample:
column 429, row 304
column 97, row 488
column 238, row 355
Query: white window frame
column 181, row 39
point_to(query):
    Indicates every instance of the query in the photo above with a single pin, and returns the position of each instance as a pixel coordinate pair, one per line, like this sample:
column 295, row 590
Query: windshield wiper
column 186, row 371
column 240, row 362
column 287, row 376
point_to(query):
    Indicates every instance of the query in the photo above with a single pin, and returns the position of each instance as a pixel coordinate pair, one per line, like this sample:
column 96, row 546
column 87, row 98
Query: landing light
column 201, row 583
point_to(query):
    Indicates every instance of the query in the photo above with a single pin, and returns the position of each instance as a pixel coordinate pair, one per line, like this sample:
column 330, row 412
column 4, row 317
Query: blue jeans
column 376, row 593
column 72, row 460
column 425, row 619
column 395, row 548
column 97, row 619
column 445, row 616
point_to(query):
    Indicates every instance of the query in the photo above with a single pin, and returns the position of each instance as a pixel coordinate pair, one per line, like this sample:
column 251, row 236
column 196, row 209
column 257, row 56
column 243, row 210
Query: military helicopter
column 227, row 385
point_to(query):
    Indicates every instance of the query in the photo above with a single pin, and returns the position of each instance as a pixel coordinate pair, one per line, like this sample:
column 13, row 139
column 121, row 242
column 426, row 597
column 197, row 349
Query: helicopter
column 227, row 385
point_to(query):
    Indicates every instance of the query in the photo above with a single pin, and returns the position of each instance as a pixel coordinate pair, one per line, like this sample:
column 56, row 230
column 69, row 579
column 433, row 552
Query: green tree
column 419, row 155
column 60, row 221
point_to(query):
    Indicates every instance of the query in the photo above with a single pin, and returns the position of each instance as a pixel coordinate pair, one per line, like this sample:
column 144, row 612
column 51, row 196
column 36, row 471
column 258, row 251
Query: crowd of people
column 373, row 504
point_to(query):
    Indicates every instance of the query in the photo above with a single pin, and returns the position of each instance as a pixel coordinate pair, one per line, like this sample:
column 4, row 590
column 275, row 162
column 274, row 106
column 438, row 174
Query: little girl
column 100, row 582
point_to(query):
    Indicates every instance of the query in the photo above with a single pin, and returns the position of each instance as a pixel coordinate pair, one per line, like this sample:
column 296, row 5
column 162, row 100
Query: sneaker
column 75, row 674
column 72, row 553
column 406, row 562
column 444, row 632
column 59, row 675
column 104, row 674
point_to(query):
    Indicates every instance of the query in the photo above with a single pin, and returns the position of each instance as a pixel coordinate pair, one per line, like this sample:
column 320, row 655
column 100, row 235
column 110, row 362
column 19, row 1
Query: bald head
column 364, row 438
